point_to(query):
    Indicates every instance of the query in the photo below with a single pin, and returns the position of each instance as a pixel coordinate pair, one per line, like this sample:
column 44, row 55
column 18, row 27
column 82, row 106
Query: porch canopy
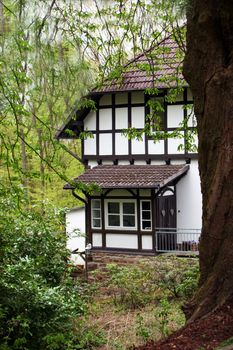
column 132, row 176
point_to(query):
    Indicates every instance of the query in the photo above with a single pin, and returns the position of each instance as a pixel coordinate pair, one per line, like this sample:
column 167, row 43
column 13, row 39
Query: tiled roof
column 159, row 67
column 131, row 176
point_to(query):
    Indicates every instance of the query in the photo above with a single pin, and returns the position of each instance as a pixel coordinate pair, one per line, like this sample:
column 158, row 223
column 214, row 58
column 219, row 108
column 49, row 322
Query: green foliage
column 163, row 316
column 179, row 276
column 131, row 285
column 142, row 330
column 135, row 286
column 40, row 305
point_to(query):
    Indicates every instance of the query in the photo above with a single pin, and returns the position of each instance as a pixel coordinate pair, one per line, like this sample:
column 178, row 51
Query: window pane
column 96, row 213
column 114, row 208
column 146, row 215
column 96, row 223
column 146, row 205
column 113, row 220
column 96, row 204
column 129, row 221
column 146, row 225
column 128, row 208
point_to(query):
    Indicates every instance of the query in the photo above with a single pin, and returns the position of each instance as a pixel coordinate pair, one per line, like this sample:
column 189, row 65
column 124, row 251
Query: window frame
column 141, row 219
column 92, row 214
column 121, row 202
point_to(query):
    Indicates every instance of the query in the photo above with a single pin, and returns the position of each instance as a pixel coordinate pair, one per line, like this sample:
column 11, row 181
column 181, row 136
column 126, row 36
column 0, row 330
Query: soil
column 205, row 333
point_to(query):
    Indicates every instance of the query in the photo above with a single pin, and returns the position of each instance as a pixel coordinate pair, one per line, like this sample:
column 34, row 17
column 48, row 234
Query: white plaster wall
column 140, row 162
column 156, row 147
column 123, row 162
column 147, row 242
column 173, row 144
column 121, row 118
column 138, row 146
column 121, row 144
column 105, row 144
column 90, row 121
column 90, row 145
column 92, row 163
column 97, row 240
column 189, row 199
column 175, row 115
column 121, row 241
column 144, row 192
column 137, row 97
column 119, row 193
column 121, row 98
column 106, row 99
column 138, row 117
column 105, row 119
column 75, row 230
column 192, row 122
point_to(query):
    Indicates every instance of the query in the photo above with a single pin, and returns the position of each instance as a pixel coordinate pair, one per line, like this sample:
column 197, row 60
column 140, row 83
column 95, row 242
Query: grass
column 126, row 328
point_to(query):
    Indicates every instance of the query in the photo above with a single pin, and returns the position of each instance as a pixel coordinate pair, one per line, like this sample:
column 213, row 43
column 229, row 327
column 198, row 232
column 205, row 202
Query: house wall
column 116, row 112
column 75, row 230
column 189, row 199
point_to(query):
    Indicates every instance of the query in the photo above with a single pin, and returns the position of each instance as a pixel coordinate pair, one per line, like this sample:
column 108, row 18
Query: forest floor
column 206, row 333
column 145, row 327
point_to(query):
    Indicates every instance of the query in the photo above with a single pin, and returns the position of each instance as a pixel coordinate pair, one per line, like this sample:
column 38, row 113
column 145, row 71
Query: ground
column 206, row 333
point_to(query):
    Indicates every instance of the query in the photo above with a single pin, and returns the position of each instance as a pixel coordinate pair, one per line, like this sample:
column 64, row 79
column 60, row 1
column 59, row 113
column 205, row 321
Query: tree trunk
column 208, row 68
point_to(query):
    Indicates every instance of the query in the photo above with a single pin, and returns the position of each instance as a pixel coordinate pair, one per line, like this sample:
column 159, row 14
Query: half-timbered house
column 148, row 198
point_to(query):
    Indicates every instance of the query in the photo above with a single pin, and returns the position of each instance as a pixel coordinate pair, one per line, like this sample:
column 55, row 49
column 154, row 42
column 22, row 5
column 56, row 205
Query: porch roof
column 131, row 176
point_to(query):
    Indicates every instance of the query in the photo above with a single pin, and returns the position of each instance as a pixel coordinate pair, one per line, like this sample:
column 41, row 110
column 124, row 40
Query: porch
column 177, row 240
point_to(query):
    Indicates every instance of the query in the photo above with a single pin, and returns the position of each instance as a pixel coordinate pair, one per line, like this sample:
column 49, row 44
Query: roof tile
column 131, row 176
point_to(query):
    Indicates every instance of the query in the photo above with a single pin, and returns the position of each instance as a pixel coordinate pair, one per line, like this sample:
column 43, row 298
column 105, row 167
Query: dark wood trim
column 78, row 197
column 97, row 129
column 88, row 221
column 123, row 105
column 138, row 208
column 144, row 157
column 113, row 125
column 103, row 222
column 153, row 213
column 129, row 124
column 165, row 124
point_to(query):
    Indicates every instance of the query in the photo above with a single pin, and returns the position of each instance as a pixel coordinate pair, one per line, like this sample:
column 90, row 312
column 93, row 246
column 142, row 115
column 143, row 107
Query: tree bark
column 208, row 68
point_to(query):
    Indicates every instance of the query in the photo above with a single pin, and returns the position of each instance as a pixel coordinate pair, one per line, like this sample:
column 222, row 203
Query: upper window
column 121, row 214
column 146, row 222
column 96, row 213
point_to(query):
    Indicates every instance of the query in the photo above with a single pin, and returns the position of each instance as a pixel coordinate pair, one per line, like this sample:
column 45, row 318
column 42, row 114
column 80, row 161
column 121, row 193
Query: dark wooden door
column 166, row 222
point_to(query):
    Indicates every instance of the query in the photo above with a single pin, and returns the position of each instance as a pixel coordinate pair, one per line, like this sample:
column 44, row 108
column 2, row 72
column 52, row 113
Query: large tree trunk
column 208, row 69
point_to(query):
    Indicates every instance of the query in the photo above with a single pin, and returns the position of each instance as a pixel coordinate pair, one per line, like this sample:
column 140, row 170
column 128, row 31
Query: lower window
column 121, row 214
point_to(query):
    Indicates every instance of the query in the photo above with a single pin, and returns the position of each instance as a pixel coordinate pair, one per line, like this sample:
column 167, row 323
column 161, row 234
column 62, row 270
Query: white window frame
column 141, row 219
column 92, row 216
column 121, row 227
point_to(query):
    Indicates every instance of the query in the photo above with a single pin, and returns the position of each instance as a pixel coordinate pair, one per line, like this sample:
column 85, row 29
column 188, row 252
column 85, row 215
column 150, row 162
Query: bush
column 40, row 305
column 134, row 286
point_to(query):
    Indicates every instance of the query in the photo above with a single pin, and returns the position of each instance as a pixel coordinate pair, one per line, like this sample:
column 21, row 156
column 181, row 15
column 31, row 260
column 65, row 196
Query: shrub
column 40, row 305
column 132, row 285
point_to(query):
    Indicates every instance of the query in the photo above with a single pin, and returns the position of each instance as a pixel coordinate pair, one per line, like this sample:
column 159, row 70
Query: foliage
column 134, row 294
column 177, row 277
column 163, row 316
column 40, row 305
